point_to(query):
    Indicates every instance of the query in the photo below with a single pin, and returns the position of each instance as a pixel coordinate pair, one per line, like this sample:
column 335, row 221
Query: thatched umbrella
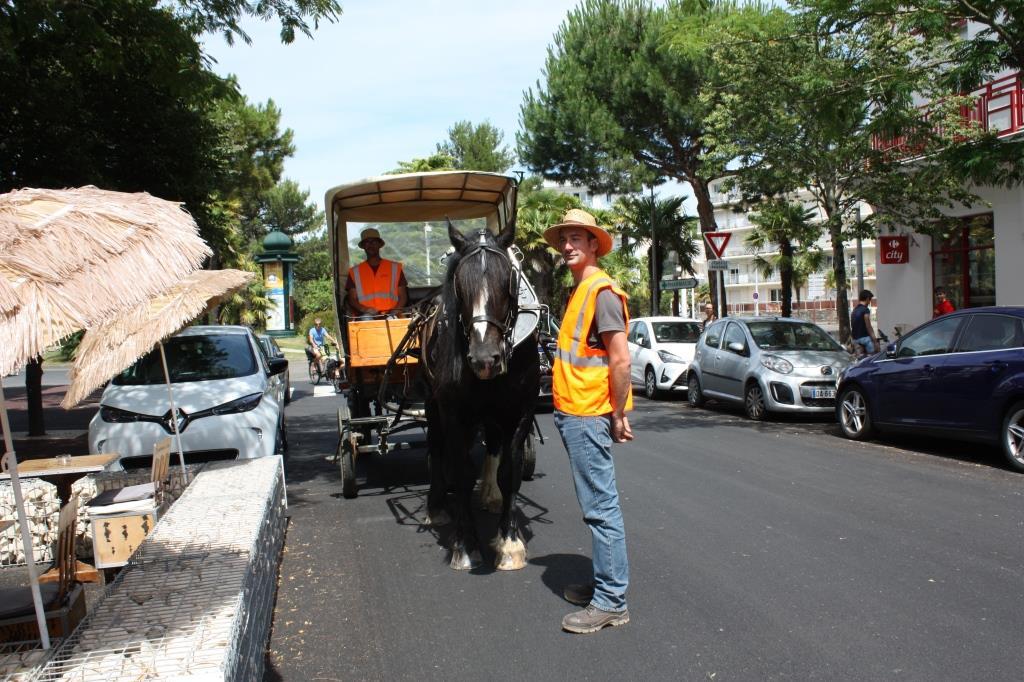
column 70, row 259
column 118, row 343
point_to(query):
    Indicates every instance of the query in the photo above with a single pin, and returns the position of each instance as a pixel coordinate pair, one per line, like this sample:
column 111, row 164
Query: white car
column 228, row 394
column 660, row 352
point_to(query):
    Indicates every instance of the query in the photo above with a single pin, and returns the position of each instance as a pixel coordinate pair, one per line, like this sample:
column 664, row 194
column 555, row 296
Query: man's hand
column 621, row 431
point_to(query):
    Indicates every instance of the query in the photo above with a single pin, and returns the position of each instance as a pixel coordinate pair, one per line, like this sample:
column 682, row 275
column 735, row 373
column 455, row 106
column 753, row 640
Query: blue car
column 958, row 376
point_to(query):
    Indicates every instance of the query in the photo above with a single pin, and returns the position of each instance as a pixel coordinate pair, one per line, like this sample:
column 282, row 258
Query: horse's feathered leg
column 465, row 545
column 437, row 515
column 510, row 550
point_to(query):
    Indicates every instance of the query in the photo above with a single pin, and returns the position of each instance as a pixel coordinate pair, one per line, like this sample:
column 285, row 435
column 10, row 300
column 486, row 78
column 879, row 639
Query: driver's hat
column 369, row 233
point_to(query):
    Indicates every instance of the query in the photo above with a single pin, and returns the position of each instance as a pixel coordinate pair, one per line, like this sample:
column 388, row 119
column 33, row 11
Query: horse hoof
column 510, row 554
column 438, row 518
column 465, row 561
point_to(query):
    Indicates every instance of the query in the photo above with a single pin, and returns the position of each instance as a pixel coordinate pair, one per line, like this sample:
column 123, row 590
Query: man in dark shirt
column 860, row 324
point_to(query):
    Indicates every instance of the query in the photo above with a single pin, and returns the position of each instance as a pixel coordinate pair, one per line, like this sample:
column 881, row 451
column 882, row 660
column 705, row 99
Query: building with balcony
column 750, row 293
column 977, row 263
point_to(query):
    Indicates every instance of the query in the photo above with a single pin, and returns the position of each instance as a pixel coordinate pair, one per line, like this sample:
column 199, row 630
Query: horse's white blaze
column 480, row 310
column 490, row 493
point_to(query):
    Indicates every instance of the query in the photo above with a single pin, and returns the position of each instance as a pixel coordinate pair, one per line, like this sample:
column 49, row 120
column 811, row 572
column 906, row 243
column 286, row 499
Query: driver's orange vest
column 377, row 290
column 580, row 383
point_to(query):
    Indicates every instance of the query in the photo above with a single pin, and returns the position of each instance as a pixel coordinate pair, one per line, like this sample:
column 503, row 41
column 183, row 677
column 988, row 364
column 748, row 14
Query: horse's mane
column 451, row 345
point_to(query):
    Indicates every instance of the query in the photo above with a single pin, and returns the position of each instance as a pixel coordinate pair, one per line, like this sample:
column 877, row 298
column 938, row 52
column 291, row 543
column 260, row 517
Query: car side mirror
column 890, row 350
column 278, row 365
column 640, row 340
column 737, row 347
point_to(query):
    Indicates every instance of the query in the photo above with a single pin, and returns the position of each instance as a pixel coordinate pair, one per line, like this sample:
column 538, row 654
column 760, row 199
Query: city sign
column 717, row 241
column 895, row 250
column 685, row 283
column 718, row 264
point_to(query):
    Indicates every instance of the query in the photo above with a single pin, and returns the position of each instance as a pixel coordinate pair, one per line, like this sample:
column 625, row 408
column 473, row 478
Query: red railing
column 998, row 107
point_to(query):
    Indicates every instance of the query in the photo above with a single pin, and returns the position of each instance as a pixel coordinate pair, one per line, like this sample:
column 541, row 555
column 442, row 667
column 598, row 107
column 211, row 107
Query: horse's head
column 486, row 287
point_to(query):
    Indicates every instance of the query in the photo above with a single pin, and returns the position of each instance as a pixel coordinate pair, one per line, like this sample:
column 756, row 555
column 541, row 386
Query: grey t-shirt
column 608, row 317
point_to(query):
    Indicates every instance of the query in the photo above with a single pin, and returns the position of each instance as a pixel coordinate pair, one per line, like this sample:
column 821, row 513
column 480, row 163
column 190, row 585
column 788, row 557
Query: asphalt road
column 758, row 551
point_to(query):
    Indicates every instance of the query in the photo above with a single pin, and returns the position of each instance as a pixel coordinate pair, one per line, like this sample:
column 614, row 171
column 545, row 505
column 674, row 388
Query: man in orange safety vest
column 592, row 393
column 377, row 285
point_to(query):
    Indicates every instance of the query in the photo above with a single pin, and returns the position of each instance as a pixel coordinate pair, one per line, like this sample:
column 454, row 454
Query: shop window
column 964, row 262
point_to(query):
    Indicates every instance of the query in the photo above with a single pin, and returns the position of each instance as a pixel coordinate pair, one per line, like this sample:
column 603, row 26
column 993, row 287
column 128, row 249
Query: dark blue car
column 958, row 376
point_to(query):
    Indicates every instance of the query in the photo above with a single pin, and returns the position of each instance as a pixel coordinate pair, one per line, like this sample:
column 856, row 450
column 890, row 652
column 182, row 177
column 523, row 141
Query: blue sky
column 386, row 82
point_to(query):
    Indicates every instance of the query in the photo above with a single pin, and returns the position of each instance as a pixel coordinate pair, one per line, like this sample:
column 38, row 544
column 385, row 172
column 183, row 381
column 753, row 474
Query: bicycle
column 315, row 371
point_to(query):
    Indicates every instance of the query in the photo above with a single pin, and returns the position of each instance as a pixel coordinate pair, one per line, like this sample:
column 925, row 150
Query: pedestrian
column 860, row 324
column 942, row 304
column 709, row 316
column 592, row 394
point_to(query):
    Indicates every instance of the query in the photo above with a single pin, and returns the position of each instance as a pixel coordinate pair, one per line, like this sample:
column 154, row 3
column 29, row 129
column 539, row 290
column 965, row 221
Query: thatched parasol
column 115, row 345
column 71, row 258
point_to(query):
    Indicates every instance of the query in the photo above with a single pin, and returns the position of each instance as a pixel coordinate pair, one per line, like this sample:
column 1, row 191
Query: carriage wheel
column 347, row 461
column 529, row 458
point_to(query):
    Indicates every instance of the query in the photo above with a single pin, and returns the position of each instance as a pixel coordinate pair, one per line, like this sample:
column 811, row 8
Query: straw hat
column 369, row 233
column 576, row 217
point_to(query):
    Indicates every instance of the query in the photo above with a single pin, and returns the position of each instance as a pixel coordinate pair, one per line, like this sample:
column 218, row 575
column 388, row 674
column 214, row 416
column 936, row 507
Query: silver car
column 769, row 364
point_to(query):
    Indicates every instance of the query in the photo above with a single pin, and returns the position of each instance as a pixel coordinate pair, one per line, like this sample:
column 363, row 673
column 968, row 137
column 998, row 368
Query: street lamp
column 427, row 229
column 654, row 261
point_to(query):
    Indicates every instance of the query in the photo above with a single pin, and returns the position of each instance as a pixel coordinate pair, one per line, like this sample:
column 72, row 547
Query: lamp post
column 860, row 255
column 654, row 260
column 427, row 229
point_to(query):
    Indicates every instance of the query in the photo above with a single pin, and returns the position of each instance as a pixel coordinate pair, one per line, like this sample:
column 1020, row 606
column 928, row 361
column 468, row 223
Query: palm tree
column 537, row 210
column 787, row 227
column 673, row 231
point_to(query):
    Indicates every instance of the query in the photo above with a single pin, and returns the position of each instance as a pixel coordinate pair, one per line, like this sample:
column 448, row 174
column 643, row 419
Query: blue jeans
column 869, row 345
column 588, row 441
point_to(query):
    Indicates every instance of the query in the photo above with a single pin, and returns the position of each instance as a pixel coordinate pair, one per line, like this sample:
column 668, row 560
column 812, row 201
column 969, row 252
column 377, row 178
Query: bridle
column 507, row 326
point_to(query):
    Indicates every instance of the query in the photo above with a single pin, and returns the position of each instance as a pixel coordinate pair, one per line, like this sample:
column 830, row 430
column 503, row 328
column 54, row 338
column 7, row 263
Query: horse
column 478, row 379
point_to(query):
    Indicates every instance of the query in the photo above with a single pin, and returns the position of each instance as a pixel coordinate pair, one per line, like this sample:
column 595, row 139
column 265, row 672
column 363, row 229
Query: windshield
column 193, row 358
column 420, row 247
column 774, row 335
column 676, row 332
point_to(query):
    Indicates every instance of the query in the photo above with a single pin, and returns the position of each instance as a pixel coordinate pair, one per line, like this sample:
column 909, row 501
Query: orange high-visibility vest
column 377, row 290
column 580, row 383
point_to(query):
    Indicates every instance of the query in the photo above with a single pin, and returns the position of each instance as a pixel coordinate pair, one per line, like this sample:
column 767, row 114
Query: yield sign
column 717, row 241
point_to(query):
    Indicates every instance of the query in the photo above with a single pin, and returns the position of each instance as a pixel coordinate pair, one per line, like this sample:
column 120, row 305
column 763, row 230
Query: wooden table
column 63, row 476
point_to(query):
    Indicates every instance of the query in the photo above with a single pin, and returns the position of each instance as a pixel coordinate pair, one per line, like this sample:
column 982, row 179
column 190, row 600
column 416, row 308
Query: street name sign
column 718, row 265
column 685, row 283
column 717, row 241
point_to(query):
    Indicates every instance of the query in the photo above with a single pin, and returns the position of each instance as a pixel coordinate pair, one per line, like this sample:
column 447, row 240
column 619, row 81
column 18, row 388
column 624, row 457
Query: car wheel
column 1013, row 436
column 287, row 392
column 281, row 440
column 853, row 415
column 753, row 402
column 693, row 392
column 650, row 384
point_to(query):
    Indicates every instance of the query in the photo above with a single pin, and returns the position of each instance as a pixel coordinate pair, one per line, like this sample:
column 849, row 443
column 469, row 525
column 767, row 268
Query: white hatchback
column 660, row 352
column 228, row 395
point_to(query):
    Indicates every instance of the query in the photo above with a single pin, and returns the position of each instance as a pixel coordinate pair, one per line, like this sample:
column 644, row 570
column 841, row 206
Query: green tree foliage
column 286, row 208
column 477, row 147
column 440, row 161
column 314, row 258
column 789, row 228
column 316, row 294
column 834, row 94
column 223, row 16
column 672, row 232
column 617, row 109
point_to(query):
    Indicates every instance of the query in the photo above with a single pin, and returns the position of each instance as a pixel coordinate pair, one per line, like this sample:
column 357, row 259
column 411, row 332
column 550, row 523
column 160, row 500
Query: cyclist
column 863, row 334
column 318, row 337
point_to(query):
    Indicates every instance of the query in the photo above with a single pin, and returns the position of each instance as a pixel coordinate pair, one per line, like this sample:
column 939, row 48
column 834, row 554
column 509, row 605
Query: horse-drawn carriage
column 421, row 217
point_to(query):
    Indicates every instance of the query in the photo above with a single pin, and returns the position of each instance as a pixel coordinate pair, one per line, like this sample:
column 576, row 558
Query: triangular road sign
column 717, row 241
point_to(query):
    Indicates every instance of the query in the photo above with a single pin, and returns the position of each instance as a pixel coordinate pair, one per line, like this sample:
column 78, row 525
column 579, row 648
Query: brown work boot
column 578, row 594
column 592, row 619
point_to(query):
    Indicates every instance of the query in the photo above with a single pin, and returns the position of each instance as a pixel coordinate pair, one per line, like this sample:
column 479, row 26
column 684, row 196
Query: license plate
column 823, row 393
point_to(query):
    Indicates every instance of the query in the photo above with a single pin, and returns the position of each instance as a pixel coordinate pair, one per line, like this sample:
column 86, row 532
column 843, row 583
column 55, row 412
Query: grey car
column 768, row 364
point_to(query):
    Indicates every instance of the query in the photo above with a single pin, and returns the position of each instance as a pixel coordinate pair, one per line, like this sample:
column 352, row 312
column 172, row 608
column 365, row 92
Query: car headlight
column 669, row 357
column 243, row 404
column 777, row 364
column 113, row 415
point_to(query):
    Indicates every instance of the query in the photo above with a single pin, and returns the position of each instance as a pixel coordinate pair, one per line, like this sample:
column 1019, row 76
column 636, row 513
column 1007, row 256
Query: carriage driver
column 592, row 394
column 376, row 285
